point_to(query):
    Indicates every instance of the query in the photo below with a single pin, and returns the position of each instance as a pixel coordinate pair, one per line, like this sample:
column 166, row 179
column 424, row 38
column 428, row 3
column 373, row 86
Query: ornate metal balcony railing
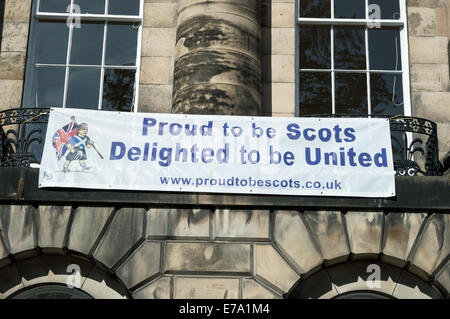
column 22, row 133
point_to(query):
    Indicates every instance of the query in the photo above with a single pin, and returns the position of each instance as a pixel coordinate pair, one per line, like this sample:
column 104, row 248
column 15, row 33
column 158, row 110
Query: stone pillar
column 217, row 61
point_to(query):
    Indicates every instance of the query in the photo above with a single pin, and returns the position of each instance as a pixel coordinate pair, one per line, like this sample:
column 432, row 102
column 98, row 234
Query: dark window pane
column 349, row 9
column 124, row 7
column 91, row 6
column 87, row 44
column 52, row 42
column 54, row 5
column 49, row 86
column 315, row 93
column 315, row 8
column 389, row 9
column 386, row 92
column 349, row 48
column 315, row 50
column 121, row 44
column 351, row 93
column 384, row 49
column 118, row 90
column 83, row 88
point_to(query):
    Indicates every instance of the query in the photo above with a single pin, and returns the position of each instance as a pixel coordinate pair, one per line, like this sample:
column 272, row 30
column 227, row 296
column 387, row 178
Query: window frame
column 400, row 23
column 32, row 65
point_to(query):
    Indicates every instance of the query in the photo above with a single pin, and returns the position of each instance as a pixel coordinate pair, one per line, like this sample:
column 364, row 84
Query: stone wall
column 429, row 34
column 13, row 52
column 157, row 56
column 229, row 253
column 278, row 58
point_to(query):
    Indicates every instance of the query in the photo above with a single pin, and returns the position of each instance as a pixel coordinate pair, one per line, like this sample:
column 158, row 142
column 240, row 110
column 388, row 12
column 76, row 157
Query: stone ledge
column 413, row 193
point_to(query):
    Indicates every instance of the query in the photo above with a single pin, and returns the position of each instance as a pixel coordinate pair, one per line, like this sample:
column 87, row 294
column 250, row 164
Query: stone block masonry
column 429, row 39
column 14, row 40
column 224, row 253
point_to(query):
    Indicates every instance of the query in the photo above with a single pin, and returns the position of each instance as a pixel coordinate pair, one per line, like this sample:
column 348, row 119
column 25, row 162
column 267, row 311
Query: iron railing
column 22, row 132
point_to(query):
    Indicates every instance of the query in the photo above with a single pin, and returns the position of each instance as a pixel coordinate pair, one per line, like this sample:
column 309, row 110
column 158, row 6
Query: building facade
column 283, row 58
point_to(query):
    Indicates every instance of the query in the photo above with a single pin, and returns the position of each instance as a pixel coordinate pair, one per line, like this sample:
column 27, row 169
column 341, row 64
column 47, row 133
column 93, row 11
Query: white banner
column 218, row 154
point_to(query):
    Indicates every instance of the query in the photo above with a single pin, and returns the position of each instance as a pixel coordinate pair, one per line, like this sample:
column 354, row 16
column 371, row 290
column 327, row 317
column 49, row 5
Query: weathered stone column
column 217, row 63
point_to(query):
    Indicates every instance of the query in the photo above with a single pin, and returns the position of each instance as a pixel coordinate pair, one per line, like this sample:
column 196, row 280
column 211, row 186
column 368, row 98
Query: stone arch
column 52, row 270
column 249, row 254
column 353, row 277
column 37, row 244
column 412, row 248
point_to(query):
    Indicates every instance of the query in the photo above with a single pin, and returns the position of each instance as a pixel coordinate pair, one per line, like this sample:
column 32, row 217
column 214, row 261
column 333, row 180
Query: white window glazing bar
column 47, row 64
column 369, row 100
column 123, row 67
column 137, row 76
column 366, row 35
column 349, row 22
column 403, row 11
column 352, row 71
column 69, row 50
column 404, row 56
column 89, row 17
column 332, row 9
column 403, row 47
column 36, row 102
column 333, row 78
column 141, row 10
column 102, row 72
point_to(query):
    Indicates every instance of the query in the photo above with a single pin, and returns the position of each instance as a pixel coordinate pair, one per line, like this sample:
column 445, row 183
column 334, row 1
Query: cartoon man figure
column 77, row 147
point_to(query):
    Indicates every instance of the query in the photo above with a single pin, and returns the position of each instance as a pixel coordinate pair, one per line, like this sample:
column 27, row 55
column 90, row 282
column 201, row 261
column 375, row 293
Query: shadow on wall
column 2, row 15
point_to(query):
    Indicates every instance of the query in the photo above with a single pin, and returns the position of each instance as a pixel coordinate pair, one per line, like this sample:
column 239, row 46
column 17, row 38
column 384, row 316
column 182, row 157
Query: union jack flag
column 62, row 137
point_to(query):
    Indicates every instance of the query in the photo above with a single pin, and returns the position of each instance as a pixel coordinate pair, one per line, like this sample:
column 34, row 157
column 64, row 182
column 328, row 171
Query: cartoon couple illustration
column 73, row 138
